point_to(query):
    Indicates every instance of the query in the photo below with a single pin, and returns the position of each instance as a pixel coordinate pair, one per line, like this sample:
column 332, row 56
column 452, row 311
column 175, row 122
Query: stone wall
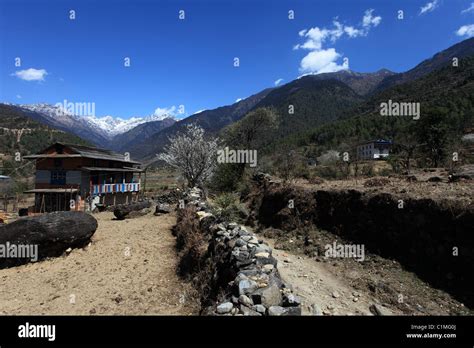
column 240, row 273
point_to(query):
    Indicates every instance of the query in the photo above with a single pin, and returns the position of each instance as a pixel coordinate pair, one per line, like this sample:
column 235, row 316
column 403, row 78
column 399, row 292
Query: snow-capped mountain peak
column 107, row 126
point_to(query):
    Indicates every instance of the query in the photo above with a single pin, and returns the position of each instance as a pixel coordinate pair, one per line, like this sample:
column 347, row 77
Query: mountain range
column 315, row 99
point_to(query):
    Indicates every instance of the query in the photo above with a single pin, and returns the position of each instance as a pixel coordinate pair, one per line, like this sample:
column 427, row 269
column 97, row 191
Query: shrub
column 226, row 177
column 368, row 170
column 191, row 242
column 226, row 207
column 329, row 172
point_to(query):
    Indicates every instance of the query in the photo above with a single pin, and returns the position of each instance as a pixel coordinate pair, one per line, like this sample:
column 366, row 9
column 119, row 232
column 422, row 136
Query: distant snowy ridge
column 106, row 126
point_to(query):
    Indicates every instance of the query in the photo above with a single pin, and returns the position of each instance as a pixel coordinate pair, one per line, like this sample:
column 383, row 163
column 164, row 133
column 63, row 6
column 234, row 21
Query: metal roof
column 106, row 169
column 57, row 190
column 376, row 141
column 82, row 151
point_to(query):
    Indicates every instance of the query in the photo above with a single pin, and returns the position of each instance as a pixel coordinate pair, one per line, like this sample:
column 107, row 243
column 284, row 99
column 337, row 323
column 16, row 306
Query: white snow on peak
column 109, row 126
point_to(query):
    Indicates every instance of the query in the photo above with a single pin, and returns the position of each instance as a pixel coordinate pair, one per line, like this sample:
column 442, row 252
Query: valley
column 170, row 169
column 306, row 142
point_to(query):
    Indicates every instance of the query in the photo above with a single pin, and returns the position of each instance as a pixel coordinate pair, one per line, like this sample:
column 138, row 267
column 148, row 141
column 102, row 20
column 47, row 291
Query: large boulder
column 121, row 211
column 44, row 236
column 162, row 208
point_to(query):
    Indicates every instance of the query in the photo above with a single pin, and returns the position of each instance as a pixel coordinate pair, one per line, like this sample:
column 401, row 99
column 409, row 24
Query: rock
column 262, row 255
column 316, row 310
column 241, row 276
column 247, row 286
column 249, row 312
column 260, row 308
column 287, row 286
column 293, row 311
column 269, row 296
column 435, row 179
column 225, row 307
column 268, row 268
column 194, row 194
column 253, row 240
column 243, row 229
column 335, row 294
column 240, row 242
column 232, row 225
column 121, row 211
column 53, row 234
column 162, row 208
column 379, row 310
column 202, row 214
column 243, row 257
column 263, row 248
column 202, row 205
column 245, row 300
column 276, row 311
column 290, row 300
column 267, row 261
column 249, row 272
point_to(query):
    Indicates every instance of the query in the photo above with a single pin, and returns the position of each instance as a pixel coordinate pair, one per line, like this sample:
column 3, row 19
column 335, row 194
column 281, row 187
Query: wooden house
column 77, row 177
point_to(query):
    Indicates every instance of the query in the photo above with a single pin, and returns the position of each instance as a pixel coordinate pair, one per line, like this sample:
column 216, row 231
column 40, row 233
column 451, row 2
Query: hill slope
column 444, row 58
column 212, row 121
column 446, row 96
column 18, row 132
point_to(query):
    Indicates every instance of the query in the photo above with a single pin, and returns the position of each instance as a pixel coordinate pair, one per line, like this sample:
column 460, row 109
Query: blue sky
column 190, row 62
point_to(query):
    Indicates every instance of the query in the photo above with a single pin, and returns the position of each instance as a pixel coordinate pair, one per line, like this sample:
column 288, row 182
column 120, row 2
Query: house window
column 58, row 177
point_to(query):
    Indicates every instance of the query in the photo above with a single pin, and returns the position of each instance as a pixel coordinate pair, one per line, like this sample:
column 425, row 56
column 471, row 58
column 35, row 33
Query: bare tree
column 286, row 164
column 192, row 154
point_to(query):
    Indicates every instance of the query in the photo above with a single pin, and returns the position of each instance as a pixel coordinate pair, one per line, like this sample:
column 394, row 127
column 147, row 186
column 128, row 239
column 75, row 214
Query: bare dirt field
column 460, row 192
column 128, row 268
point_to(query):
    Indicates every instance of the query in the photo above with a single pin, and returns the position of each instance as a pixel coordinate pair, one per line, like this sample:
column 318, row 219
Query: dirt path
column 129, row 268
column 318, row 286
column 347, row 287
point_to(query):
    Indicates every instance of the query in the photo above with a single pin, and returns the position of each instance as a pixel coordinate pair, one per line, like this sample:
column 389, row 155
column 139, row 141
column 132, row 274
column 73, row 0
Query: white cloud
column 238, row 99
column 277, row 82
column 18, row 96
column 369, row 20
column 429, row 7
column 162, row 113
column 353, row 32
column 320, row 59
column 469, row 9
column 31, row 74
column 466, row 30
